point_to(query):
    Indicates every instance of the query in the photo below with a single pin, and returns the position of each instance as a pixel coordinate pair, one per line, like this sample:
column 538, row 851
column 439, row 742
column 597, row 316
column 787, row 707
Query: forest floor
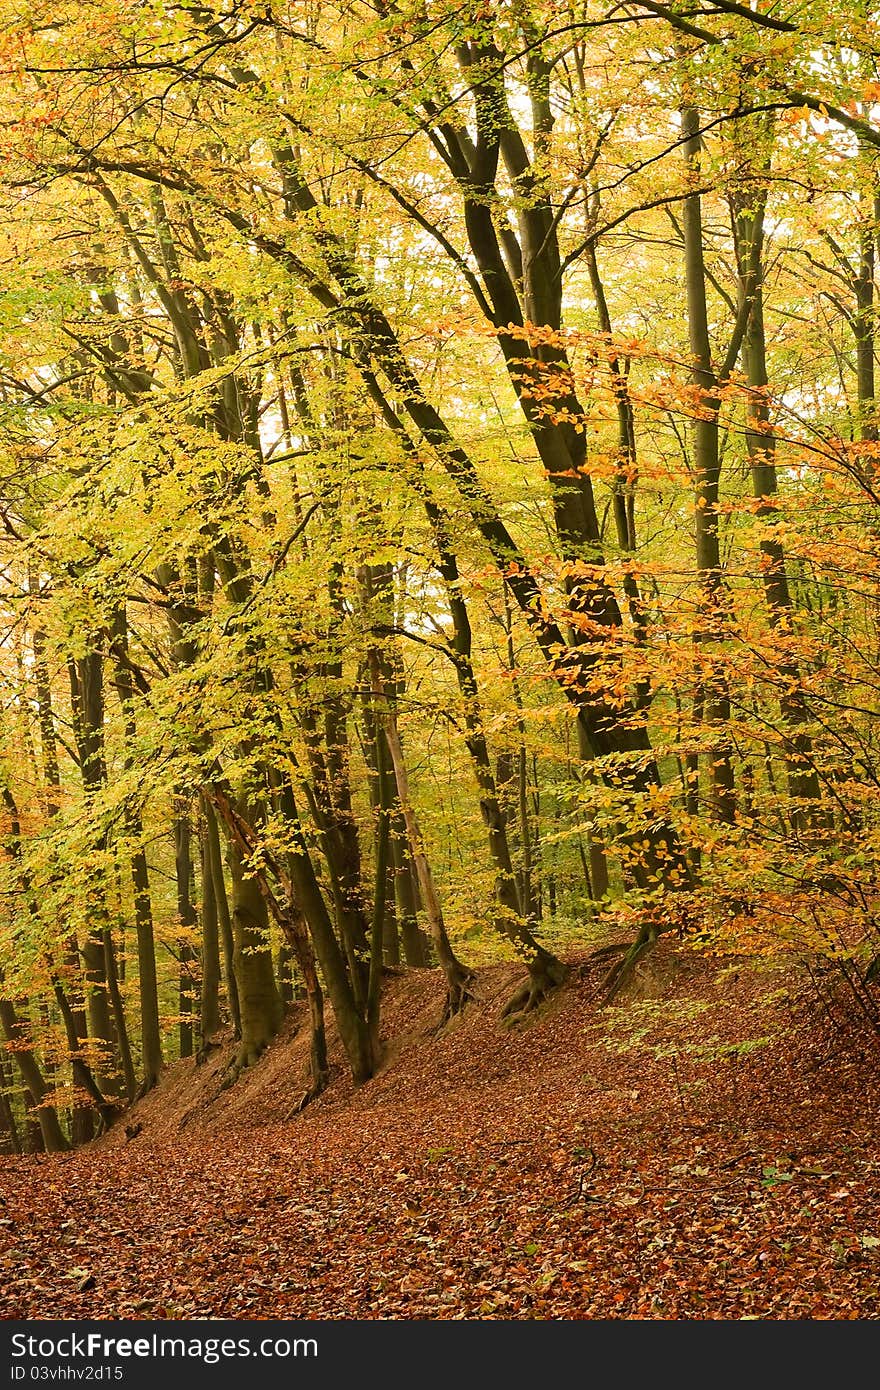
column 704, row 1149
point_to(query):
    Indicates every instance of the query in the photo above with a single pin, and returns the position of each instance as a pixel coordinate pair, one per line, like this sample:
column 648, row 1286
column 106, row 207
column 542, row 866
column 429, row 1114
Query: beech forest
column 439, row 659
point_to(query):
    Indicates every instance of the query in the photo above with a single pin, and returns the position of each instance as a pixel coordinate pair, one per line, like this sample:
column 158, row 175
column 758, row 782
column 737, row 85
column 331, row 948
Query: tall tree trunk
column 347, row 990
column 284, row 967
column 82, row 1127
column 73, row 1021
column 118, row 1009
column 517, row 909
column 209, row 1014
column 188, row 920
column 380, row 781
column 259, row 1002
column 380, row 891
column 706, row 473
column 458, row 977
column 87, row 702
column 415, row 951
column 864, row 328
column 212, row 839
column 356, row 1028
column 803, row 780
column 83, row 1077
column 8, row 1126
column 25, row 1059
column 296, row 923
column 148, row 989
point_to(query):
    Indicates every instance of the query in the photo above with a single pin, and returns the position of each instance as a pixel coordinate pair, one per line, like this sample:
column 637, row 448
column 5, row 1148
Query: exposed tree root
column 246, row 1056
column 229, row 1078
column 622, row 970
column 459, row 993
column 108, row 1114
column 249, row 1054
column 617, row 948
column 208, row 1046
column 546, row 974
column 145, row 1087
column 311, row 1093
column 319, row 1069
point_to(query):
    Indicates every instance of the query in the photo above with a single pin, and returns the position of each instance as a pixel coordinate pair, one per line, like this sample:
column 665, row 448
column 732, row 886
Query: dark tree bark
column 10, row 1140
column 15, row 1033
column 415, row 952
column 458, row 977
column 215, row 857
column 209, row 1013
column 148, row 990
column 706, row 474
column 748, row 227
column 87, row 703
column 258, row 997
column 82, row 1127
column 188, row 919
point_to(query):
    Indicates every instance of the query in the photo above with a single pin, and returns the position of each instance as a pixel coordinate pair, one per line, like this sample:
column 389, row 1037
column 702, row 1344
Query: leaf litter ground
column 705, row 1149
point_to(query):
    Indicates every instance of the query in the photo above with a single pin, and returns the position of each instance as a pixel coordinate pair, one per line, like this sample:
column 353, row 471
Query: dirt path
column 660, row 1160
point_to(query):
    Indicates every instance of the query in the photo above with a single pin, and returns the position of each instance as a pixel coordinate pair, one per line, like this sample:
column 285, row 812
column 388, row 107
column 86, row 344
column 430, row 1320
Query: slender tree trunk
column 34, row 1136
column 347, row 992
column 803, row 780
column 74, row 1025
column 284, row 967
column 209, row 1016
column 187, row 917
column 864, row 331
column 545, row 971
column 518, row 910
column 7, row 1114
column 258, row 997
column 82, row 1127
column 83, row 1077
column 87, row 701
column 46, row 1115
column 349, row 1006
column 296, row 923
column 458, row 977
column 380, row 778
column 380, row 893
column 626, row 462
column 148, row 989
column 116, row 1004
column 707, row 472
column 415, row 951
column 223, row 914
